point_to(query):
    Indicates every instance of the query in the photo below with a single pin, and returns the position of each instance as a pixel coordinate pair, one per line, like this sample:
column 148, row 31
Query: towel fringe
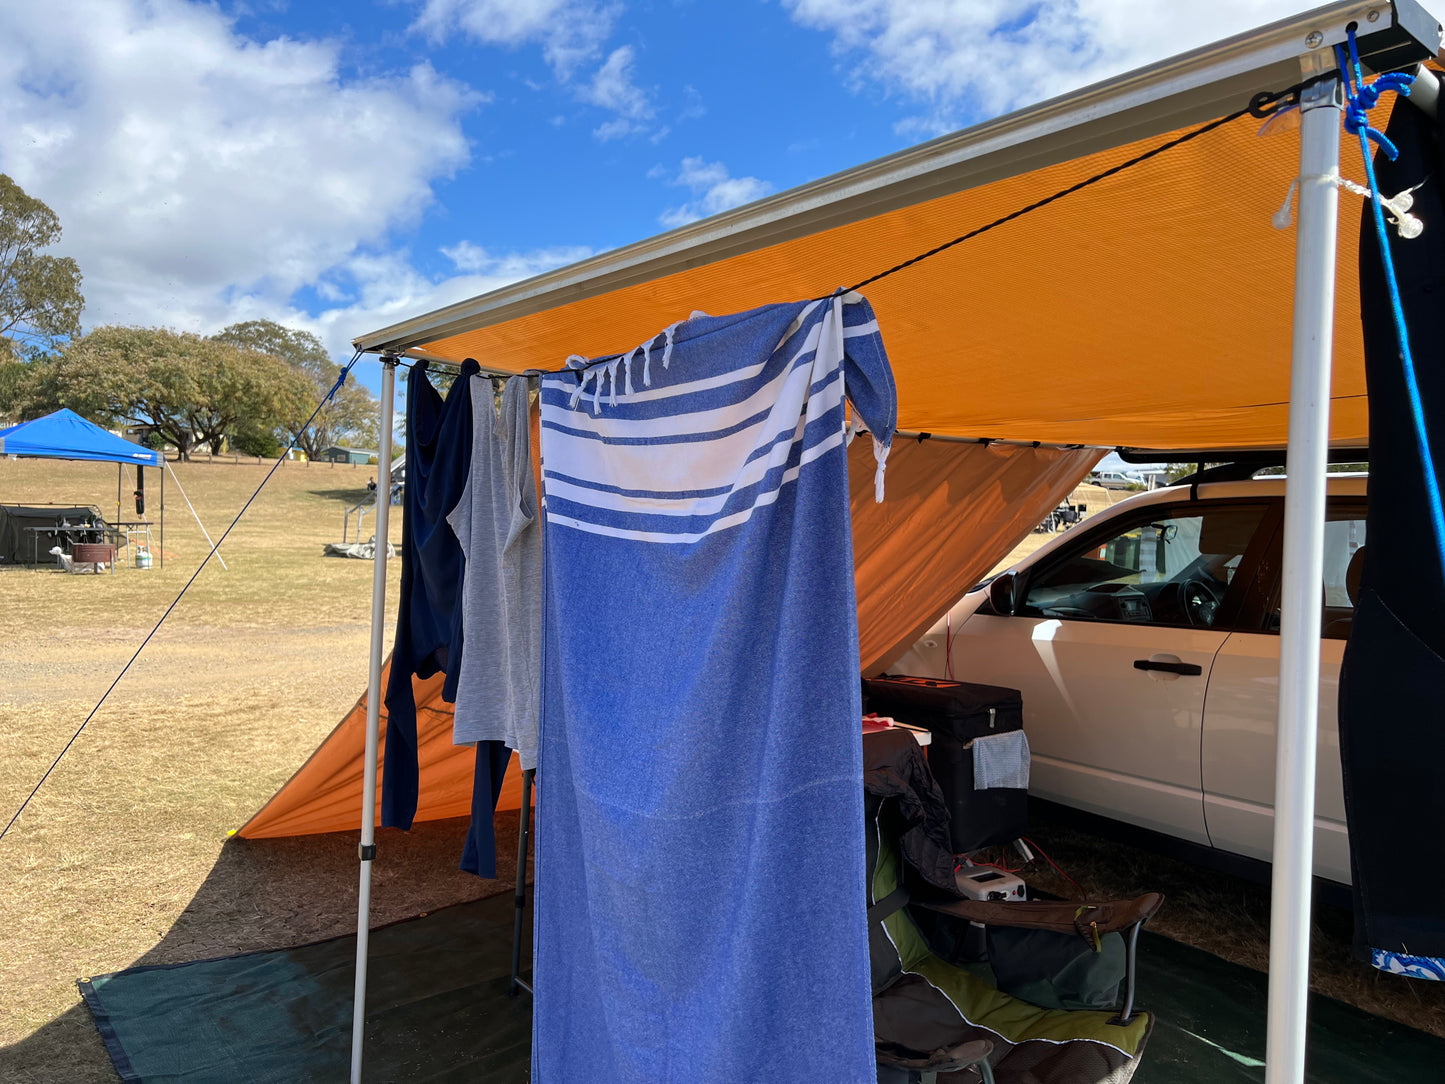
column 880, row 453
column 667, row 350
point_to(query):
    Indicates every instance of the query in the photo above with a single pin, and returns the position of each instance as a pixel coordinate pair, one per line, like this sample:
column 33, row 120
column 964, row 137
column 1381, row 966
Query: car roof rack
column 1230, row 465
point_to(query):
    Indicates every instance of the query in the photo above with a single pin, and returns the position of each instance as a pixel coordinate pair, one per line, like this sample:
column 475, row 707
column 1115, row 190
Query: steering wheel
column 1200, row 603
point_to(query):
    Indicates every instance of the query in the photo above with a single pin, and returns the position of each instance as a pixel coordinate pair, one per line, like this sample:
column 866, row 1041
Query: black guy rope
column 1153, row 152
column 1257, row 108
column 217, row 545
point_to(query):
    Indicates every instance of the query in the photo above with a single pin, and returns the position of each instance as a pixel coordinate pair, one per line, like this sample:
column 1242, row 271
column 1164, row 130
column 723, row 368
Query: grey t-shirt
column 498, row 688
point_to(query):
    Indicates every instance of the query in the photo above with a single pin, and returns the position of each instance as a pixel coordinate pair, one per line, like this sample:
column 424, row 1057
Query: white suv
column 1145, row 642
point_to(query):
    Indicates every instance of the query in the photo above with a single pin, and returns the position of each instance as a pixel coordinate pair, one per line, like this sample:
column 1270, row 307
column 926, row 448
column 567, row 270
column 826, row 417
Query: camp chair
column 936, row 994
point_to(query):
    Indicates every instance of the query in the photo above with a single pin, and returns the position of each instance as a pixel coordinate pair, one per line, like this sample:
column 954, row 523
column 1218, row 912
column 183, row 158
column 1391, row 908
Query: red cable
column 1056, row 866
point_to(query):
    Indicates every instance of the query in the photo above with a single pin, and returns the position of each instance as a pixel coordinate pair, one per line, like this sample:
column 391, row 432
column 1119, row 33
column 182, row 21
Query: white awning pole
column 373, row 727
column 194, row 516
column 1304, row 533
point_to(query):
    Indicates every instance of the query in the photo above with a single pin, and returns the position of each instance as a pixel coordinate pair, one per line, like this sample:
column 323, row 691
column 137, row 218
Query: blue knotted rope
column 1361, row 97
column 1366, row 96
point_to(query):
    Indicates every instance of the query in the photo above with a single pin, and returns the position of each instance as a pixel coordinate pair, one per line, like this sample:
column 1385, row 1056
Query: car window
column 1343, row 539
column 1344, row 554
column 1171, row 568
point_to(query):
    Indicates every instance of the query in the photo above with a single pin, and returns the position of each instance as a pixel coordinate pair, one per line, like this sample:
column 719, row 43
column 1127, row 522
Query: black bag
column 957, row 712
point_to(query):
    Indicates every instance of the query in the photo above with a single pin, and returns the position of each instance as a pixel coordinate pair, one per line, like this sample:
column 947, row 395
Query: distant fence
column 232, row 459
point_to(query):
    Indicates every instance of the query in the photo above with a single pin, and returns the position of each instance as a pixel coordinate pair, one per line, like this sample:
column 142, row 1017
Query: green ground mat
column 1210, row 1029
column 438, row 1010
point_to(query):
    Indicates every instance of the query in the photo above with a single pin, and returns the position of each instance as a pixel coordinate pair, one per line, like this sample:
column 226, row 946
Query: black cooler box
column 957, row 712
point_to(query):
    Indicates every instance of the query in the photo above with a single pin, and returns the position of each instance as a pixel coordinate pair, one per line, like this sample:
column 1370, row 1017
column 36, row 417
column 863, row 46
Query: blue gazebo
column 66, row 435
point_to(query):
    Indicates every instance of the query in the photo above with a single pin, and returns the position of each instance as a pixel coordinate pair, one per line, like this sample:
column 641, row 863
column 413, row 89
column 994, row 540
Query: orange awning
column 953, row 511
column 1151, row 310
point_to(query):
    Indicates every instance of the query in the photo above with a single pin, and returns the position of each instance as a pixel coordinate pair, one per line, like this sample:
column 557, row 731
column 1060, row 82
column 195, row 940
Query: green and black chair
column 1038, row 992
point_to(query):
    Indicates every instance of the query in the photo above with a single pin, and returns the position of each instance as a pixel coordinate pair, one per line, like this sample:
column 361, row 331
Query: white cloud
column 714, row 188
column 372, row 290
column 470, row 258
column 571, row 32
column 201, row 176
column 612, row 88
column 966, row 61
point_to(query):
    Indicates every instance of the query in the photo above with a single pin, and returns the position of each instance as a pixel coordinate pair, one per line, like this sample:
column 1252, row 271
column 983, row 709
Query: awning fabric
column 952, row 512
column 325, row 794
column 66, row 435
column 1151, row 310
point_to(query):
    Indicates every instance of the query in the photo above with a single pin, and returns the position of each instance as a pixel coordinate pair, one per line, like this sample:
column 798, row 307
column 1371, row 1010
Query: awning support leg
column 520, row 899
column 1304, row 523
column 373, row 726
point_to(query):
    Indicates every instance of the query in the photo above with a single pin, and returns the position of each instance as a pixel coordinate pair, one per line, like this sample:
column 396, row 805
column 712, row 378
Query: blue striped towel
column 700, row 851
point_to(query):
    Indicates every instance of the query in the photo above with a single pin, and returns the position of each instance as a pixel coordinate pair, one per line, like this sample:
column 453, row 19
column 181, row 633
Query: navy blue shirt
column 429, row 620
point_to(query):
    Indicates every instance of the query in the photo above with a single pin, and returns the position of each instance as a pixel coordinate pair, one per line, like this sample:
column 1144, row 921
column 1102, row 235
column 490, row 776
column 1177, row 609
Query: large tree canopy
column 40, row 299
column 191, row 389
column 350, row 417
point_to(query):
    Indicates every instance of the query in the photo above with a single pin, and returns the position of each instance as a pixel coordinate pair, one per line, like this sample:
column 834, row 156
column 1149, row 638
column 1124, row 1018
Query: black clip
column 367, row 851
column 1269, row 102
column 923, row 436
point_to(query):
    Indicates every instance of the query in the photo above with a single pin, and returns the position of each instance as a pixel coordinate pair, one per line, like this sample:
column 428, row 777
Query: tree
column 190, row 388
column 350, row 417
column 40, row 299
column 244, row 393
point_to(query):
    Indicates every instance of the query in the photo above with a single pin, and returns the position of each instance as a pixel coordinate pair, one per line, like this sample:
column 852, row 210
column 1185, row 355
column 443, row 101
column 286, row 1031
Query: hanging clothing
column 495, row 522
column 1391, row 742
column 428, row 621
column 700, row 851
column 479, row 852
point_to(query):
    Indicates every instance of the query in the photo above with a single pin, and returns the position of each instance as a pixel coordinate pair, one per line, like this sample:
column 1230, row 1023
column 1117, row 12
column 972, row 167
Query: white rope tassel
column 599, row 372
column 627, row 372
column 1284, row 215
column 667, row 350
column 578, row 390
column 1407, row 225
column 612, row 372
column 647, row 362
column 880, row 453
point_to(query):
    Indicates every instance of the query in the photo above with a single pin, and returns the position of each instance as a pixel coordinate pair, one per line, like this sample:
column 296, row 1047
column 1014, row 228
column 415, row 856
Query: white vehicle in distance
column 1146, row 645
column 1118, row 479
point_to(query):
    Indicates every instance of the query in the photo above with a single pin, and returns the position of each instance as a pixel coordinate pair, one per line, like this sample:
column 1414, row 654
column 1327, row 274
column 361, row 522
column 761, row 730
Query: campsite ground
column 122, row 857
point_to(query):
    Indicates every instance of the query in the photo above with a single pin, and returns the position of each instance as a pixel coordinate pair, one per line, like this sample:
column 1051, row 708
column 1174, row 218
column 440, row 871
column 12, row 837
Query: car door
column 1111, row 643
column 1241, row 713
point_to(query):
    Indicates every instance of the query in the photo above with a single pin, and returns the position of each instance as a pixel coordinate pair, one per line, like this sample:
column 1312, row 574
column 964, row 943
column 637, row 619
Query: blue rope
column 1360, row 98
column 345, row 371
column 1365, row 97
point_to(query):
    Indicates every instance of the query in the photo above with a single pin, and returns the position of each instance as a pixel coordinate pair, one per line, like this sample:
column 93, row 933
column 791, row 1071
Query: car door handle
column 1188, row 669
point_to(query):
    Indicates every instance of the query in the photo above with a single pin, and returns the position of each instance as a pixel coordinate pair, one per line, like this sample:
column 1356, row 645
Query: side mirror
column 1001, row 593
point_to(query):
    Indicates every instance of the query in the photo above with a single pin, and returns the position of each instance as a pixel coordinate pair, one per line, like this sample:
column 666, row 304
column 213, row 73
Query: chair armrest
column 1108, row 916
column 946, row 1060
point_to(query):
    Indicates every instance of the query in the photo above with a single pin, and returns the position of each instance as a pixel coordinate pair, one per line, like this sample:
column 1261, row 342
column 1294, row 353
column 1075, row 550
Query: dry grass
column 122, row 856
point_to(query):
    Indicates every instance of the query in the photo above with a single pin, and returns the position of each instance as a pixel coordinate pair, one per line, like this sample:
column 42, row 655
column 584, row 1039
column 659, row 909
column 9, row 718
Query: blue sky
column 340, row 166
